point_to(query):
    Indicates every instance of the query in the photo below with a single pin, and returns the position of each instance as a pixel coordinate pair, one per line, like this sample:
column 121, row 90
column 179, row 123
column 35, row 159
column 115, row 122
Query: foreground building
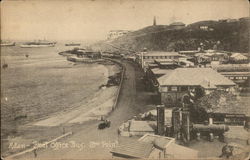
column 181, row 81
column 152, row 147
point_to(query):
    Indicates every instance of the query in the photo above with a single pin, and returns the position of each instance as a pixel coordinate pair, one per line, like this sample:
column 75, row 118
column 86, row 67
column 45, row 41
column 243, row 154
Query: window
column 184, row 88
column 174, row 89
column 231, row 77
column 169, row 88
column 244, row 77
column 240, row 77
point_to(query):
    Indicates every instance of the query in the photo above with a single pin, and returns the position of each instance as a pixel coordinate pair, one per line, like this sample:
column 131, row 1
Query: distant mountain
column 232, row 34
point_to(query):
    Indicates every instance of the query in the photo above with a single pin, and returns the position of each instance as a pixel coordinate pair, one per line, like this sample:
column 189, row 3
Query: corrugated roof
column 142, row 126
column 133, row 148
column 194, row 77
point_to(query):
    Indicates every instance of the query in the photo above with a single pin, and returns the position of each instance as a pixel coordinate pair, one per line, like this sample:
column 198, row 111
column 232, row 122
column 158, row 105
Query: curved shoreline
column 103, row 109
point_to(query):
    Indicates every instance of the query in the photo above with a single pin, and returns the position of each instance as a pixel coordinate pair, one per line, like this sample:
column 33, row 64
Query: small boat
column 38, row 44
column 72, row 44
column 7, row 44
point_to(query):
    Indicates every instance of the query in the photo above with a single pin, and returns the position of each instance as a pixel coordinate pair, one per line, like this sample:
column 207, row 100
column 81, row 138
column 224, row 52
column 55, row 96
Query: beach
column 43, row 92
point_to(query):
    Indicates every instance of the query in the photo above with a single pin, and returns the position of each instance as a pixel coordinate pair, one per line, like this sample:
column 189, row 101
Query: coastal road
column 88, row 141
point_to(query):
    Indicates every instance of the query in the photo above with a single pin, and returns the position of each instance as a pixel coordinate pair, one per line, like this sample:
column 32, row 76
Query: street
column 89, row 142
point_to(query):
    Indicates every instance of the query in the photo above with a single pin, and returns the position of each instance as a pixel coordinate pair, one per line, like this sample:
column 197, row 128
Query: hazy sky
column 79, row 19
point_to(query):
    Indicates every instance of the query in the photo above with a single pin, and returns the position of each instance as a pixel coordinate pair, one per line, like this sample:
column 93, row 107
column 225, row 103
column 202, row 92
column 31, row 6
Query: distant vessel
column 72, row 44
column 37, row 44
column 7, row 43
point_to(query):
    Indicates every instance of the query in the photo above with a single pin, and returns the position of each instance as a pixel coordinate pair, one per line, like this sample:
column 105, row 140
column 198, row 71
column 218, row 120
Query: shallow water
column 44, row 83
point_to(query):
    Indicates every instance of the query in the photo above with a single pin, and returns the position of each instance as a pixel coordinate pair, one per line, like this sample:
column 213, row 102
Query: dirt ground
column 89, row 142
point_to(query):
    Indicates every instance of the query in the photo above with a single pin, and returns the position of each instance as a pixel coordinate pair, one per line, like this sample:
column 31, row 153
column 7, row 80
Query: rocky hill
column 233, row 35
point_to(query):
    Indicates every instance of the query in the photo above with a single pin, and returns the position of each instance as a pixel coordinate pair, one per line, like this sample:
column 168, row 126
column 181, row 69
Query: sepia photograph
column 125, row 79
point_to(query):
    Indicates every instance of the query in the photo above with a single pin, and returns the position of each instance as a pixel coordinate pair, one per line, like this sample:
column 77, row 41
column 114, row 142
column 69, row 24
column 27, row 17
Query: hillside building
column 177, row 25
column 113, row 34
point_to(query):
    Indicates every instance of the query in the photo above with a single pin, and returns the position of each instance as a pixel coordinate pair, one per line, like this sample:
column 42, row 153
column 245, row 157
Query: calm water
column 43, row 83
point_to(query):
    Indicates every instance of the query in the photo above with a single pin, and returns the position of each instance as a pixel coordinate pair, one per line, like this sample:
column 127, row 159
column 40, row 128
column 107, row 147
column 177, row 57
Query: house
column 242, row 79
column 113, row 34
column 152, row 146
column 131, row 148
column 177, row 25
column 189, row 53
column 225, row 108
column 167, row 63
column 211, row 56
column 238, row 73
column 165, row 147
column 173, row 87
column 146, row 58
column 238, row 58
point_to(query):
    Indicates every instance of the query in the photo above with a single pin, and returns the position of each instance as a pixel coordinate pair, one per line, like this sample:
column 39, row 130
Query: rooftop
column 133, row 148
column 189, row 52
column 177, row 24
column 161, row 53
column 142, row 126
column 158, row 141
column 173, row 150
column 238, row 56
column 194, row 77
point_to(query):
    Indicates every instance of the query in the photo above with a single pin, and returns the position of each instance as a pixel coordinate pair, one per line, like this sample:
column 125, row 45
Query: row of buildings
column 175, row 76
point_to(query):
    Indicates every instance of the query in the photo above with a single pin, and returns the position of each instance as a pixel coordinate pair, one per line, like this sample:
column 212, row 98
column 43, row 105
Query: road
column 89, row 142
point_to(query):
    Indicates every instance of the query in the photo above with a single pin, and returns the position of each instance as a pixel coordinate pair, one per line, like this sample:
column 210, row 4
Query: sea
column 39, row 82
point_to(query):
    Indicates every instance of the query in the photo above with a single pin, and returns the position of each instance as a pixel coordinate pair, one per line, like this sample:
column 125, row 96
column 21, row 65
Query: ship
column 7, row 43
column 72, row 44
column 38, row 44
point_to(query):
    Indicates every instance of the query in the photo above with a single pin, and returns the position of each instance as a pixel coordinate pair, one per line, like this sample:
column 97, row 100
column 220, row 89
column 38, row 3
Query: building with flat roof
column 181, row 81
column 147, row 58
column 113, row 34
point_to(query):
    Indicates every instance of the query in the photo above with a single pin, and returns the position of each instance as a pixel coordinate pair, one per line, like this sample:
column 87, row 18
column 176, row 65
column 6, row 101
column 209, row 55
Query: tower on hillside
column 154, row 22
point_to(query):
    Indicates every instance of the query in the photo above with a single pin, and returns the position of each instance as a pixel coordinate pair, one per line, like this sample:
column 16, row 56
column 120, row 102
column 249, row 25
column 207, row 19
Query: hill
column 233, row 36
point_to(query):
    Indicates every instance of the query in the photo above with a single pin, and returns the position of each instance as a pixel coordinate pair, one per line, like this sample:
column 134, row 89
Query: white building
column 113, row 34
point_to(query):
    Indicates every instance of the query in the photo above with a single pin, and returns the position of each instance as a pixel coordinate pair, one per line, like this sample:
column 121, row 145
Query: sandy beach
column 41, row 94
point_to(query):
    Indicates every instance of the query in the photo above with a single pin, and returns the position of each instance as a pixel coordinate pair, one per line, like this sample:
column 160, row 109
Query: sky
column 92, row 20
